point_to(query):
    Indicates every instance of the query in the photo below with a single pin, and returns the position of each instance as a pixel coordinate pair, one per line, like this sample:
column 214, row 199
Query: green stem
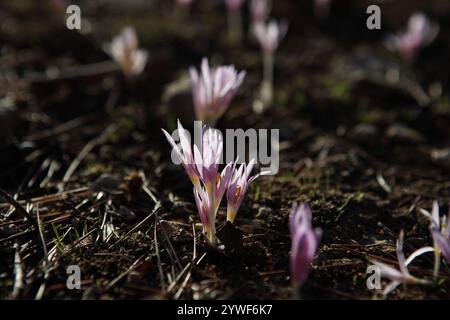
column 235, row 26
column 181, row 12
column 437, row 263
column 267, row 85
column 296, row 294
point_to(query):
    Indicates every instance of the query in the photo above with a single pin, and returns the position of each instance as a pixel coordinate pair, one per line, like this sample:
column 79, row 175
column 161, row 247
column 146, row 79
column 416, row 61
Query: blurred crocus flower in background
column 213, row 89
column 269, row 36
column 420, row 33
column 234, row 5
column 259, row 10
column 322, row 8
column 184, row 2
column 238, row 187
column 305, row 241
column 440, row 231
column 234, row 20
column 401, row 276
column 124, row 50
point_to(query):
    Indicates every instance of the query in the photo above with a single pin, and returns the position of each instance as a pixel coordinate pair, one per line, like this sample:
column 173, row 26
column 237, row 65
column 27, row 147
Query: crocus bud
column 238, row 187
column 234, row 5
column 305, row 241
column 124, row 50
column 269, row 35
column 259, row 10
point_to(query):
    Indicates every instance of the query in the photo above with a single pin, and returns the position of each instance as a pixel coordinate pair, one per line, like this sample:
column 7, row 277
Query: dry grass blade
column 137, row 226
column 19, row 209
column 87, row 149
column 41, row 290
column 123, row 274
column 18, row 273
column 158, row 257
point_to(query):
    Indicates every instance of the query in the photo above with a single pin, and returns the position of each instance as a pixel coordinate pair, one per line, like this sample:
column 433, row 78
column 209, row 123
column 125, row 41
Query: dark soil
column 362, row 152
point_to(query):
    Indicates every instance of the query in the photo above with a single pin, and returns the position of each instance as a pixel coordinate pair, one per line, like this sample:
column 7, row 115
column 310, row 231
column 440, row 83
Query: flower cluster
column 213, row 89
column 202, row 166
column 124, row 49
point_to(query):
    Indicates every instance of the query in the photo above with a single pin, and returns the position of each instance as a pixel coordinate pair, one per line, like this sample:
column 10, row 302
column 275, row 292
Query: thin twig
column 73, row 72
column 157, row 207
column 175, row 256
column 161, row 272
column 41, row 290
column 194, row 255
column 183, row 285
column 60, row 129
column 123, row 274
column 174, row 282
column 19, row 209
column 18, row 272
column 87, row 149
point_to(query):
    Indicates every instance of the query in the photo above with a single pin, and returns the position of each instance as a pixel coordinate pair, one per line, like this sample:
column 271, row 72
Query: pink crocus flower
column 234, row 5
column 207, row 162
column 442, row 241
column 396, row 276
column 440, row 232
column 259, row 10
column 305, row 241
column 214, row 184
column 185, row 154
column 202, row 166
column 238, row 188
column 270, row 34
column 208, row 202
column 124, row 50
column 213, row 89
column 420, row 33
